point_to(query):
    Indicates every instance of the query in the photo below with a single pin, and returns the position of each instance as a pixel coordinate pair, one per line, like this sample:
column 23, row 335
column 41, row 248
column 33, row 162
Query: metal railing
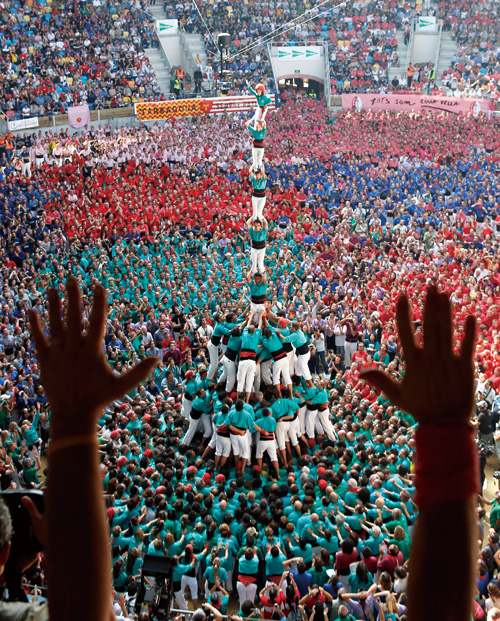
column 327, row 85
column 413, row 25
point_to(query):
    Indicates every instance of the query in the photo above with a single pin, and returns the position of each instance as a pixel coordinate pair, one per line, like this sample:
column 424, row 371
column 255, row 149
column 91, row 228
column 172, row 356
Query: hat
column 148, row 452
column 123, row 406
column 282, row 323
column 321, row 470
column 260, row 87
column 206, row 477
column 114, row 434
column 160, row 489
column 110, row 513
column 189, row 375
column 189, row 547
column 188, row 487
column 322, row 484
column 191, row 469
column 149, row 471
column 146, row 418
column 121, row 461
column 220, row 478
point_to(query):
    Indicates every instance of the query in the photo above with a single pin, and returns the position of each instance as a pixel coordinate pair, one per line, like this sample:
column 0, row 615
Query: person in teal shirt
column 257, row 229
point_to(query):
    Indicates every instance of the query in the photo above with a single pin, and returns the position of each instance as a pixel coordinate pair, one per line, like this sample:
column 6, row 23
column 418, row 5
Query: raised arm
column 438, row 390
column 79, row 384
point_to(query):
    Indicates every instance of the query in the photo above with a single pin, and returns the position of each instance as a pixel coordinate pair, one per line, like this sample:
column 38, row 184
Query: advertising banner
column 150, row 111
column 167, row 27
column 24, row 123
column 416, row 103
column 311, row 52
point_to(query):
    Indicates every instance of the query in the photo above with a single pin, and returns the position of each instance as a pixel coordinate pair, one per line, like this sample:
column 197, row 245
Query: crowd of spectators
column 361, row 37
column 59, row 54
column 475, row 68
column 361, row 207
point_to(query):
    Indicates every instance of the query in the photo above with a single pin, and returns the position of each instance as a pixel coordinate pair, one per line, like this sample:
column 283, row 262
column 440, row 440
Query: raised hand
column 438, row 385
column 75, row 374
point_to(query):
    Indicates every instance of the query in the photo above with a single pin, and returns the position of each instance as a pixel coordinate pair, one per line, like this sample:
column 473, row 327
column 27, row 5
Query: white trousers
column 326, row 423
column 266, row 446
column 311, row 416
column 228, row 373
column 26, row 169
column 257, row 256
column 246, row 375
column 246, row 592
column 258, row 204
column 281, row 369
column 301, row 366
column 192, row 583
column 257, row 157
column 222, row 446
column 240, row 445
column 282, row 429
column 186, row 408
column 213, row 351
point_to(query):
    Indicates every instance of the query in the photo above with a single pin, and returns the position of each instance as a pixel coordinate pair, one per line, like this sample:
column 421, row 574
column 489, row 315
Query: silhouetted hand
column 75, row 373
column 437, row 385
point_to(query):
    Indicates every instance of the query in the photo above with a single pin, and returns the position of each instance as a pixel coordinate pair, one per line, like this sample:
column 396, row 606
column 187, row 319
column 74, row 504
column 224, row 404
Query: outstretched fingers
column 405, row 328
column 384, row 382
column 445, row 333
column 55, row 319
column 41, row 344
column 467, row 349
column 97, row 319
column 125, row 383
column 74, row 322
column 431, row 323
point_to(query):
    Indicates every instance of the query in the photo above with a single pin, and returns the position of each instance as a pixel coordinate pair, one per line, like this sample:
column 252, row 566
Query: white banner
column 167, row 27
column 311, row 52
column 24, row 123
column 427, row 23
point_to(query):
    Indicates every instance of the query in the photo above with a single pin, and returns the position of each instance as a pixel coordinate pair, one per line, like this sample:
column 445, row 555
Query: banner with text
column 24, row 123
column 167, row 27
column 417, row 103
column 151, row 111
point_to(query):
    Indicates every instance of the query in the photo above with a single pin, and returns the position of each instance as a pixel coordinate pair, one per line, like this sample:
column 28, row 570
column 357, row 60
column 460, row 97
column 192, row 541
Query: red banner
column 176, row 108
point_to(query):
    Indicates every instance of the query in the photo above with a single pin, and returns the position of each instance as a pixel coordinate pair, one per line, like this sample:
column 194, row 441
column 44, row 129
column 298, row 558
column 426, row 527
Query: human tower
column 258, row 348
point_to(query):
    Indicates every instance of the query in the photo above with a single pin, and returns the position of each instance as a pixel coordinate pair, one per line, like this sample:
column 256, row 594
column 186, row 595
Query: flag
column 79, row 116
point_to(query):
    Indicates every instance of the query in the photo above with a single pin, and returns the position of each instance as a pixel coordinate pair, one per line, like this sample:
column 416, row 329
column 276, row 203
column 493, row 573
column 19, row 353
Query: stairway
column 156, row 57
column 161, row 69
column 196, row 47
column 402, row 51
column 446, row 53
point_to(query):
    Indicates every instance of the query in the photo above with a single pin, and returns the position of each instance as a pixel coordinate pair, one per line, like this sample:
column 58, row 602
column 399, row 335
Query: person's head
column 199, row 615
column 5, row 535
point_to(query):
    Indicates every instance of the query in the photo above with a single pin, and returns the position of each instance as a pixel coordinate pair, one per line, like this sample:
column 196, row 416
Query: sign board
column 24, row 123
column 311, row 52
column 417, row 103
column 427, row 23
column 167, row 27
column 155, row 110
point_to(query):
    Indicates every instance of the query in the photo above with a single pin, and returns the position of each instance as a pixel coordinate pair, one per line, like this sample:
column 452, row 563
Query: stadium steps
column 446, row 53
column 160, row 67
column 197, row 48
column 402, row 51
